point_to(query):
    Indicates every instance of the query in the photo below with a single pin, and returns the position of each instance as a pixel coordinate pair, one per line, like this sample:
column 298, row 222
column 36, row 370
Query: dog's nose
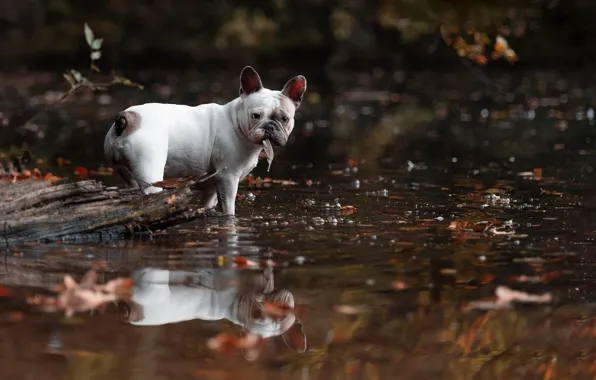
column 269, row 127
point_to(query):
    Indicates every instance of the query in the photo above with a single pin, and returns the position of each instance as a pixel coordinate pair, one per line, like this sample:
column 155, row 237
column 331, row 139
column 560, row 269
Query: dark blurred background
column 386, row 79
column 322, row 33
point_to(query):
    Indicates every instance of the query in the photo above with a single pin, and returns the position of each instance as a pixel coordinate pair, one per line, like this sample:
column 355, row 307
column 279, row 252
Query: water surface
column 383, row 289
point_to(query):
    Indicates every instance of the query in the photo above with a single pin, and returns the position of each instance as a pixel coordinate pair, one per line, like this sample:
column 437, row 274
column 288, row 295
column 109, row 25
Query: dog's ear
column 250, row 81
column 295, row 338
column 295, row 89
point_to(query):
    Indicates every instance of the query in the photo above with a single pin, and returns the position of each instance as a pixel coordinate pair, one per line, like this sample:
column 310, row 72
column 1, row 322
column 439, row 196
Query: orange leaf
column 4, row 292
column 243, row 262
column 171, row 199
column 486, row 278
column 36, row 173
column 81, row 172
column 538, row 174
column 399, row 285
column 480, row 59
column 50, row 177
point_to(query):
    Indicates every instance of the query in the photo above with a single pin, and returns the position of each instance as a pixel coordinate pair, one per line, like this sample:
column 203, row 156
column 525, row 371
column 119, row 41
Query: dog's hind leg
column 148, row 169
column 209, row 196
column 127, row 177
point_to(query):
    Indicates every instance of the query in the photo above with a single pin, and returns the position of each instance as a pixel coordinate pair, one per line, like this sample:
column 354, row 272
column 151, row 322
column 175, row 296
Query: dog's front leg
column 227, row 187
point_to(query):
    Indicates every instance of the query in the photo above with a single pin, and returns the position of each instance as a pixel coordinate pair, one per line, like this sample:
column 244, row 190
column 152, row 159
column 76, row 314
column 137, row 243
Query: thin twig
column 7, row 246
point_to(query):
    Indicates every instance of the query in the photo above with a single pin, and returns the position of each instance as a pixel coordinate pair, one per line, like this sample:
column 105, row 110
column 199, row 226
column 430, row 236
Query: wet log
column 37, row 210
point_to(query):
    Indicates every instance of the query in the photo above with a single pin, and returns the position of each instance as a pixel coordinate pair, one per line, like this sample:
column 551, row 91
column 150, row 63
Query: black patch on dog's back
column 126, row 123
column 120, row 124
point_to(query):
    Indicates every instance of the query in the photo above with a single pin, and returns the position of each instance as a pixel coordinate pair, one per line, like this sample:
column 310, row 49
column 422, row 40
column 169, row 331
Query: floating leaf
column 94, row 68
column 89, row 36
column 243, row 262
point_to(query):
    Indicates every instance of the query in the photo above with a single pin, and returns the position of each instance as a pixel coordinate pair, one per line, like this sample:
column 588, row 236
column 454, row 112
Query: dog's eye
column 256, row 116
column 284, row 119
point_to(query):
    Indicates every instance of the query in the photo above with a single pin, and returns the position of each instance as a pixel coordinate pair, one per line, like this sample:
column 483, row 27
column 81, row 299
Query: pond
column 416, row 227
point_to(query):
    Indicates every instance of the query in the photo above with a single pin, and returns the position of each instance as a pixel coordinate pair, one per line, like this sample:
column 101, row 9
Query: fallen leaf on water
column 467, row 339
column 347, row 210
column 84, row 296
column 486, row 278
column 548, row 368
column 349, row 309
column 285, row 182
column 507, row 295
column 243, row 262
column 545, row 277
column 399, row 285
column 537, row 174
column 227, row 344
column 550, row 192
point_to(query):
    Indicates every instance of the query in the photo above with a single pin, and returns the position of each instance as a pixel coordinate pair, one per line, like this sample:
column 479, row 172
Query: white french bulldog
column 163, row 296
column 153, row 141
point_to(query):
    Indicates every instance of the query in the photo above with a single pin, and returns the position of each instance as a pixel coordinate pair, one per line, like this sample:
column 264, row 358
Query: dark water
column 381, row 291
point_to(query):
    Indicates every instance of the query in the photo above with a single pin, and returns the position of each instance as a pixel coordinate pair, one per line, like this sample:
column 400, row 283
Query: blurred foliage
column 208, row 29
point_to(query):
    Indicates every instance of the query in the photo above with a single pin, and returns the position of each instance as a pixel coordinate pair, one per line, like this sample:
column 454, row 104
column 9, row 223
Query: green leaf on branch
column 89, row 36
column 96, row 44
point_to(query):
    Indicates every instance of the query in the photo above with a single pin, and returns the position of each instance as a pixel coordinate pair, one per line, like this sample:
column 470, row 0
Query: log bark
column 37, row 210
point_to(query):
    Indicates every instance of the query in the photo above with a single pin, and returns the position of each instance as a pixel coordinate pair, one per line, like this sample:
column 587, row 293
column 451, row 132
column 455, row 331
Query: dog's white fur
column 155, row 141
column 162, row 296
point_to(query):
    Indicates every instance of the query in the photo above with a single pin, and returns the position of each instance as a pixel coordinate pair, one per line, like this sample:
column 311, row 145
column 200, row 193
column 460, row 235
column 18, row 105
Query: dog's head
column 266, row 114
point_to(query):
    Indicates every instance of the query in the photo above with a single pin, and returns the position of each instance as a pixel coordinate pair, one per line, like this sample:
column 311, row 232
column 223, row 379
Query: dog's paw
column 213, row 213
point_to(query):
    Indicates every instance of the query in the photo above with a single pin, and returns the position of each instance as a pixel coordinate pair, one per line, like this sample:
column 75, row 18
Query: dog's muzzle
column 274, row 132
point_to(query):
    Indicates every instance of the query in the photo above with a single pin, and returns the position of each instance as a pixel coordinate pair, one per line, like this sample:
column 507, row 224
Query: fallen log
column 37, row 210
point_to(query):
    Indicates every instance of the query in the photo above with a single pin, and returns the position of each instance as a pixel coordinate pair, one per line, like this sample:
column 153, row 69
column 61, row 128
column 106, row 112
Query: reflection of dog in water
column 168, row 296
